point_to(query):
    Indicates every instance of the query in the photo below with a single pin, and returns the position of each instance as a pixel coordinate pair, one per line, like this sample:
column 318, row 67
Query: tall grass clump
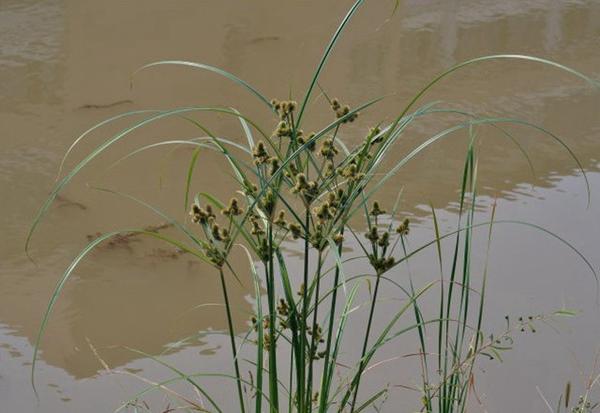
column 309, row 187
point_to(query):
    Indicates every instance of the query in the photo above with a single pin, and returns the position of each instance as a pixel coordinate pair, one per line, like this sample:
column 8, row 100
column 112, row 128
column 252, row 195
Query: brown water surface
column 65, row 65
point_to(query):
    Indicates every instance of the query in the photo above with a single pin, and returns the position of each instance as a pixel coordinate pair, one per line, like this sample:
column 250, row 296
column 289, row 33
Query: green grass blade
column 469, row 62
column 73, row 265
column 101, row 148
column 181, row 374
column 210, row 68
column 93, row 128
column 326, row 54
column 259, row 322
column 188, row 179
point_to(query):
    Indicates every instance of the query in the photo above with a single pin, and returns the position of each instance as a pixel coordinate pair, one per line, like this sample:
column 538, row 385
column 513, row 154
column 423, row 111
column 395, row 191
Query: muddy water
column 65, row 65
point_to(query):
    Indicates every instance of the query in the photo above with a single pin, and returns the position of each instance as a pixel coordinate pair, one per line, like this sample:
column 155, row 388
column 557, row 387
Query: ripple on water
column 30, row 31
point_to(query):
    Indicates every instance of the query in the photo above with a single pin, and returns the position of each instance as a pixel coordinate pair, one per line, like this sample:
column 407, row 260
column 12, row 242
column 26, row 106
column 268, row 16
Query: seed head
column 280, row 221
column 403, row 229
column 276, row 105
column 274, row 165
column 260, row 154
column 313, row 143
column 295, row 230
column 376, row 210
column 328, row 150
column 323, row 212
column 216, row 232
column 350, row 171
column 201, row 216
column 282, row 308
column 372, row 235
column 233, row 209
column 384, row 240
column 335, row 104
column 283, row 130
column 256, row 227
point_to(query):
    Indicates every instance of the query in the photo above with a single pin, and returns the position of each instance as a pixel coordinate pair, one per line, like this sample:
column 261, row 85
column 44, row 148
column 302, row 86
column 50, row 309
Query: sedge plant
column 309, row 188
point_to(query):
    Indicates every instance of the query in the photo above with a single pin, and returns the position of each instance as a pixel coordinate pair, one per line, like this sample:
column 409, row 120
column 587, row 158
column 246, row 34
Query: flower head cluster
column 260, row 154
column 233, row 209
column 328, row 149
column 376, row 210
column 312, row 144
column 308, row 189
column 351, row 172
column 403, row 229
column 202, row 215
column 381, row 259
column 283, row 130
column 284, row 108
column 381, row 264
column 341, row 111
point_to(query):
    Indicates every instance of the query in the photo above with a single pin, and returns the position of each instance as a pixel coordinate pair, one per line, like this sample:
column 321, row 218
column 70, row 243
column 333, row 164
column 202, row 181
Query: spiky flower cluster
column 283, row 130
column 403, row 229
column 328, row 150
column 283, row 311
column 200, row 215
column 308, row 189
column 312, row 144
column 265, row 326
column 381, row 259
column 217, row 237
column 233, row 209
column 284, row 108
column 376, row 210
column 317, row 336
column 351, row 172
column 341, row 111
column 260, row 154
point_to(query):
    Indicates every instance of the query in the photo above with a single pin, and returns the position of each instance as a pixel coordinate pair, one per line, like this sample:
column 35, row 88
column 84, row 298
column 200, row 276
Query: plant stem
column 326, row 370
column 232, row 339
column 313, row 343
column 365, row 343
column 302, row 383
column 273, row 384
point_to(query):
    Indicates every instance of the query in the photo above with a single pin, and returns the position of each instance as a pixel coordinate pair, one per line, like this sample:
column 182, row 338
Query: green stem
column 302, row 364
column 232, row 339
column 326, row 369
column 313, row 342
column 273, row 385
column 365, row 343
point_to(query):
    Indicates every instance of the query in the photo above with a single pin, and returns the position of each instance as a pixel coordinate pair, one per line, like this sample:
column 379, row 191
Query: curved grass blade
column 181, row 374
column 326, row 54
column 371, row 400
column 157, row 211
column 574, row 72
column 93, row 128
column 210, row 68
column 73, row 265
column 455, row 128
column 98, row 150
column 188, row 178
column 164, row 383
column 197, row 141
column 566, row 243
